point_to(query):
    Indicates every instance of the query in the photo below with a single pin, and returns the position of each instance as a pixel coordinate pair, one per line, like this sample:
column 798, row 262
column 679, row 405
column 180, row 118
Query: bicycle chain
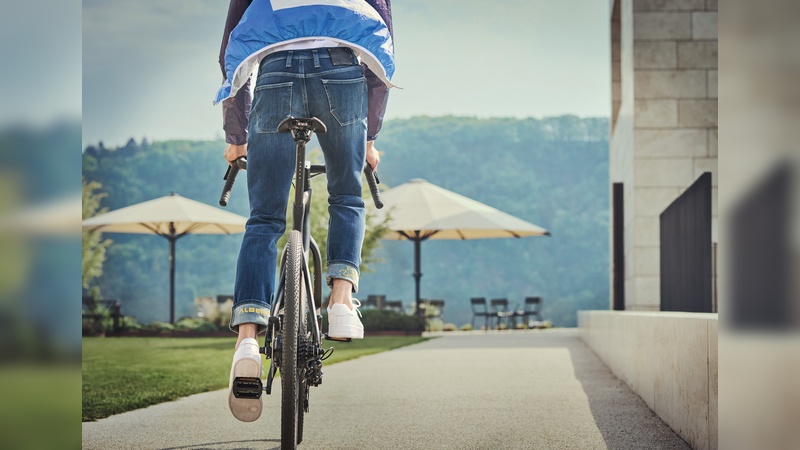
column 309, row 356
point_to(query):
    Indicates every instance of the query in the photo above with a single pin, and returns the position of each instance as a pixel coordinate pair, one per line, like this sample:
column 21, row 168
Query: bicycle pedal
column 247, row 387
column 328, row 338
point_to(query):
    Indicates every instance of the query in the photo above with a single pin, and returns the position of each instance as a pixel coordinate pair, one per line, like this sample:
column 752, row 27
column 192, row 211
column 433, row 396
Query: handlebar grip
column 373, row 186
column 230, row 178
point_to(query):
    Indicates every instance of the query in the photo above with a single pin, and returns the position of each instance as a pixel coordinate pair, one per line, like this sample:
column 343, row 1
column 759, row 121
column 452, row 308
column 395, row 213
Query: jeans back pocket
column 271, row 104
column 347, row 99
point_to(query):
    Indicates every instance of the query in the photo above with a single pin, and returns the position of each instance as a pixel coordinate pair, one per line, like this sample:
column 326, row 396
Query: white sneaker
column 344, row 323
column 246, row 363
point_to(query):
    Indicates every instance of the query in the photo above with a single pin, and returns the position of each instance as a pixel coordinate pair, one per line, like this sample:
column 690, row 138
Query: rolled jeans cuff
column 257, row 313
column 342, row 271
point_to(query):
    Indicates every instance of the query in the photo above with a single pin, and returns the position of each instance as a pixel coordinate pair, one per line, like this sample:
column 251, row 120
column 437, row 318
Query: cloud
column 150, row 27
column 510, row 58
column 150, row 66
column 145, row 63
column 40, row 46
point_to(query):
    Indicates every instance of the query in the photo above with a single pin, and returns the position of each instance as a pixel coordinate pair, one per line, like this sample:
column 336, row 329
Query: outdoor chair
column 433, row 310
column 500, row 311
column 479, row 309
column 532, row 307
column 90, row 311
column 438, row 309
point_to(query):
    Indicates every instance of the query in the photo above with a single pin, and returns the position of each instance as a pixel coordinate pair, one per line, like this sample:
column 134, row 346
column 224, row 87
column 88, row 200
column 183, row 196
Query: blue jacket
column 254, row 28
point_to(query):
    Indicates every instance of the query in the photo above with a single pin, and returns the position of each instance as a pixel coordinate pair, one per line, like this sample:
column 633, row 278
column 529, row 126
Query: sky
column 150, row 67
column 40, row 50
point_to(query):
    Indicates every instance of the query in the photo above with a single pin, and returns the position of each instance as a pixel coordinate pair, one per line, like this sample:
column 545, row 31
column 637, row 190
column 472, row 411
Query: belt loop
column 289, row 59
column 316, row 58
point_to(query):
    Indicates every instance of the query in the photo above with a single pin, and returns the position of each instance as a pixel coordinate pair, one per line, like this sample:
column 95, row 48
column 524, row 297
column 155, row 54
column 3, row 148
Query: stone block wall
column 664, row 124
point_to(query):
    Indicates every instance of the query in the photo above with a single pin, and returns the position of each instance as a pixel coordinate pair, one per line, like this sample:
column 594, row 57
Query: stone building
column 663, row 133
column 663, row 159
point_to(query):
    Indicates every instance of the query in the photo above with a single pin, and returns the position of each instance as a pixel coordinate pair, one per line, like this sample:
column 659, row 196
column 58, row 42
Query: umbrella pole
column 417, row 270
column 172, row 238
column 172, row 280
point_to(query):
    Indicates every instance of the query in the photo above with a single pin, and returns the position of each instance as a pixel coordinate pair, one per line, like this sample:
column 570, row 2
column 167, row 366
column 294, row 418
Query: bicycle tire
column 302, row 386
column 291, row 317
column 300, row 420
column 310, row 326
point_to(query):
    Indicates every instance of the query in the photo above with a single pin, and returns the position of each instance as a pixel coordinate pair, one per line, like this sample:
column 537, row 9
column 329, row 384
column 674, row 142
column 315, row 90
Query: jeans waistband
column 322, row 53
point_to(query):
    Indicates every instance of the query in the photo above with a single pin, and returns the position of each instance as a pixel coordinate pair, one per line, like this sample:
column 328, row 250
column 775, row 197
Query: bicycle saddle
column 295, row 123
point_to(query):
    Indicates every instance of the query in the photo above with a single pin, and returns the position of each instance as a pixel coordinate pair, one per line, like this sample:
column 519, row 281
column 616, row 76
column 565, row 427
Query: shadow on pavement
column 510, row 339
column 230, row 445
column 622, row 417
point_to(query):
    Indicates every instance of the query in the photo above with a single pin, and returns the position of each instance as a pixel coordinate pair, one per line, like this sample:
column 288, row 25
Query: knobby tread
column 291, row 314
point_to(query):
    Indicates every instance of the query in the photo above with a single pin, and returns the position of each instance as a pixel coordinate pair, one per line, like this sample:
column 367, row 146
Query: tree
column 94, row 247
column 319, row 224
column 375, row 230
column 552, row 172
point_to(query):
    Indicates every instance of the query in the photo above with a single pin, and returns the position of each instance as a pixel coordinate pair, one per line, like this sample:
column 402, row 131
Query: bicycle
column 293, row 340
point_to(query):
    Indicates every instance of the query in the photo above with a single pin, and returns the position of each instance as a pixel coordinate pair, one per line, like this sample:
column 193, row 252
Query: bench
column 374, row 302
column 113, row 307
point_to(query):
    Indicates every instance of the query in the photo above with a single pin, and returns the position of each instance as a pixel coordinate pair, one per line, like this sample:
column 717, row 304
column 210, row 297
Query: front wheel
column 290, row 384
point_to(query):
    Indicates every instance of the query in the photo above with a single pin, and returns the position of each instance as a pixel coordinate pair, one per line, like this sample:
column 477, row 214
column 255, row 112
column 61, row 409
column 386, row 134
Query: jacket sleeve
column 377, row 95
column 377, row 91
column 236, row 110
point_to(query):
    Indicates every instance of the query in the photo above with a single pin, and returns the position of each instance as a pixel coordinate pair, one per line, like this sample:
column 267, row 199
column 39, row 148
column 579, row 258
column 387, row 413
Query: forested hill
column 552, row 172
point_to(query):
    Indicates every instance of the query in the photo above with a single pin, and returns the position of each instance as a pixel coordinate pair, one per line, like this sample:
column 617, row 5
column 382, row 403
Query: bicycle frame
column 306, row 354
column 313, row 285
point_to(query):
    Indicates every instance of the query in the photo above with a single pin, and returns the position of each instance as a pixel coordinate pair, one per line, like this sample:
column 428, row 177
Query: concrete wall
column 664, row 122
column 668, row 359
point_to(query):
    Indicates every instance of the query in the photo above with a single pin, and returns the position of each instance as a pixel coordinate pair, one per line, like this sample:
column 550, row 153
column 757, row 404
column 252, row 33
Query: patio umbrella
column 54, row 218
column 171, row 217
column 420, row 211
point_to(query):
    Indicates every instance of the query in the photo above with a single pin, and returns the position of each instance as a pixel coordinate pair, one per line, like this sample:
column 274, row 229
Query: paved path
column 539, row 390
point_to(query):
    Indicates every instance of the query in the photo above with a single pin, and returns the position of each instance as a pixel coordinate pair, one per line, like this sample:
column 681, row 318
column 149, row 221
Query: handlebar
column 230, row 178
column 241, row 163
column 373, row 182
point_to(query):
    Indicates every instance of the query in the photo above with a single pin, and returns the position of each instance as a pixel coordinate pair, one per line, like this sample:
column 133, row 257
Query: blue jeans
column 301, row 83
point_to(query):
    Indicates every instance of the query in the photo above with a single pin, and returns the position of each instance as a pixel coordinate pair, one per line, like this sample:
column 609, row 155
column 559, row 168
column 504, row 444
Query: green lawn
column 121, row 374
column 39, row 406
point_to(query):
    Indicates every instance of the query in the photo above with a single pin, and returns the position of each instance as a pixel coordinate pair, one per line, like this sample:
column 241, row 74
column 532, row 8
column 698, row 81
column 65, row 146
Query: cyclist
column 330, row 59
